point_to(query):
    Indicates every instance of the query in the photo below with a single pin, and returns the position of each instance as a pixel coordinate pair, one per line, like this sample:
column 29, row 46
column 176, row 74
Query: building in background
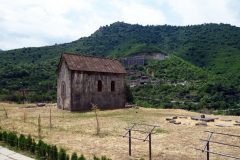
column 133, row 82
column 140, row 60
column 145, row 80
column 132, row 72
column 157, row 56
column 155, row 82
column 25, row 92
column 130, row 61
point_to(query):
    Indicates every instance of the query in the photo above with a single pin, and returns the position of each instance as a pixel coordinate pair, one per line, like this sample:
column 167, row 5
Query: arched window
column 99, row 86
column 112, row 86
column 63, row 89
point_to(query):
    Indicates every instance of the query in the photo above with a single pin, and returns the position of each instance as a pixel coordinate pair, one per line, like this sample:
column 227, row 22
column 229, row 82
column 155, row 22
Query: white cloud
column 41, row 22
column 27, row 23
column 20, row 42
column 204, row 11
column 134, row 12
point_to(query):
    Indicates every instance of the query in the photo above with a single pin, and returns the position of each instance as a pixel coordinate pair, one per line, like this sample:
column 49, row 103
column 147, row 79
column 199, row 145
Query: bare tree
column 24, row 116
column 96, row 109
column 5, row 112
column 50, row 118
column 39, row 126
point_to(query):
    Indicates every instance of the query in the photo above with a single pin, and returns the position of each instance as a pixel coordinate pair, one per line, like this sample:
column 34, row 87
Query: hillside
column 214, row 47
column 136, row 50
column 202, row 88
column 1, row 50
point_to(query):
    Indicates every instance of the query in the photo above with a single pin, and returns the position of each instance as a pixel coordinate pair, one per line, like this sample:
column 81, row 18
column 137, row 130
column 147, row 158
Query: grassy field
column 76, row 131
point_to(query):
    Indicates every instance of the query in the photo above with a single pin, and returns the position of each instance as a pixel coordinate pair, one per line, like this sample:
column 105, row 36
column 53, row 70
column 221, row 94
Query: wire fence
column 208, row 146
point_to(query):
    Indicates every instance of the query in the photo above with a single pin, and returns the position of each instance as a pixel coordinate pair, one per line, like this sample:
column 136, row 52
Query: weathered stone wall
column 85, row 91
column 64, row 75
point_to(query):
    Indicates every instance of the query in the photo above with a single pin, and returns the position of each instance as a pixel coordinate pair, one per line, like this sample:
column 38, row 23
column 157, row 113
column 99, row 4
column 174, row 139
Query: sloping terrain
column 215, row 47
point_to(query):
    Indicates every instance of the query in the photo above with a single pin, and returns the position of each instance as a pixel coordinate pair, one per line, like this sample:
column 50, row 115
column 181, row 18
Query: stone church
column 84, row 79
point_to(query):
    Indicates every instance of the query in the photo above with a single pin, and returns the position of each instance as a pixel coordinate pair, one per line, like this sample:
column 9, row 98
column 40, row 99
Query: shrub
column 8, row 137
column 21, row 141
column 36, row 148
column 33, row 146
column 82, row 157
column 4, row 136
column 74, row 156
column 129, row 95
column 43, row 149
column 0, row 136
column 67, row 157
column 95, row 158
column 51, row 152
column 29, row 142
column 105, row 158
column 11, row 138
column 16, row 141
column 54, row 152
column 62, row 154
column 48, row 150
column 39, row 147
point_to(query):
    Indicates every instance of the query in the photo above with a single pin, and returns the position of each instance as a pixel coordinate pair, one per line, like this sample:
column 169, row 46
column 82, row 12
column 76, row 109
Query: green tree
column 133, row 77
column 129, row 95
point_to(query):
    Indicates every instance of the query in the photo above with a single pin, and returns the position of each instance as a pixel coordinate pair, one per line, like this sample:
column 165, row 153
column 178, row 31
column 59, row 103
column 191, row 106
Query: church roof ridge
column 82, row 62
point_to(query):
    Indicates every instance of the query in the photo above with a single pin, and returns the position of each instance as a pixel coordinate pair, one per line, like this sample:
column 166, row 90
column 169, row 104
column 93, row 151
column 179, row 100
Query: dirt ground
column 76, row 131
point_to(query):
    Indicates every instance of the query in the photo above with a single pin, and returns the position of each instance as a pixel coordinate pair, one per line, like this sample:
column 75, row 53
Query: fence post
column 150, row 156
column 149, row 135
column 130, row 142
column 208, row 150
column 207, row 145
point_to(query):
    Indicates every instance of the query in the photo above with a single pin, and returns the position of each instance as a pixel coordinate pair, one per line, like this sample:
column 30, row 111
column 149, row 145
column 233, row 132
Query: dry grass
column 76, row 132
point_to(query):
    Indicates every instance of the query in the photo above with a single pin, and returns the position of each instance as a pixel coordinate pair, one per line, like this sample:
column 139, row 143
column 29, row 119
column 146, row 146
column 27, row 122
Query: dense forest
column 204, row 90
column 215, row 48
column 39, row 77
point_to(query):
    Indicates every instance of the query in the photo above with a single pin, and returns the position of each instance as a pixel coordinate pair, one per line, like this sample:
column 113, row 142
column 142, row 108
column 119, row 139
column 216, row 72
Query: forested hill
column 203, row 90
column 213, row 46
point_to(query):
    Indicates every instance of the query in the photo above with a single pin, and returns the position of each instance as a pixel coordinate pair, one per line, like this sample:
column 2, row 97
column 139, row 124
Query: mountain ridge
column 212, row 46
column 205, row 56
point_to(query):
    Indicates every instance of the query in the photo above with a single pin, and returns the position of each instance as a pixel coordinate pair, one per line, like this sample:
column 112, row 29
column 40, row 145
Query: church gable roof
column 81, row 62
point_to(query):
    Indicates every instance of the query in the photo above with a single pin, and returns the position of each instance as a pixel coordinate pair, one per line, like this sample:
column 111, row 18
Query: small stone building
column 84, row 79
column 130, row 61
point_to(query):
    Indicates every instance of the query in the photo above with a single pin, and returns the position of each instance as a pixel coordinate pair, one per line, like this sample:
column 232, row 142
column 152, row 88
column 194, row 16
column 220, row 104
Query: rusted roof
column 81, row 62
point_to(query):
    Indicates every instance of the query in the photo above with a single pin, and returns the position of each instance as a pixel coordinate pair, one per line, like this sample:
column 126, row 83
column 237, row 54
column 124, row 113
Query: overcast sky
column 34, row 23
